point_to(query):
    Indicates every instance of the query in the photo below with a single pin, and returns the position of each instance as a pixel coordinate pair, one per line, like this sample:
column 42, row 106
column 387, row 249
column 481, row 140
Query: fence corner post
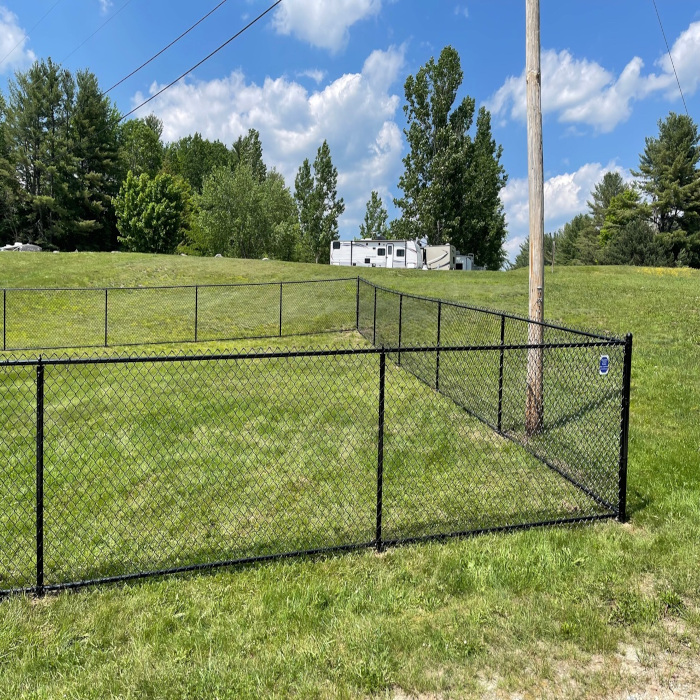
column 357, row 306
column 106, row 309
column 624, row 430
column 380, row 452
column 40, row 477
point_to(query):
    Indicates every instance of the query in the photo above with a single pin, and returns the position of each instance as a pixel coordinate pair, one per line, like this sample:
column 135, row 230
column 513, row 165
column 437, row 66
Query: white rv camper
column 439, row 257
column 377, row 253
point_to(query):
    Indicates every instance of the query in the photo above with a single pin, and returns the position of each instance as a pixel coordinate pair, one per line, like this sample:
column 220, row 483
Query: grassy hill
column 584, row 612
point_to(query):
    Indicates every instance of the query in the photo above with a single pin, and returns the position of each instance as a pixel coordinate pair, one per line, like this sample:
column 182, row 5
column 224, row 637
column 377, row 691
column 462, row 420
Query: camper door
column 390, row 255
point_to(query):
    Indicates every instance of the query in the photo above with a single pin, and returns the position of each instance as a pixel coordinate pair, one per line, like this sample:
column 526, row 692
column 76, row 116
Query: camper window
column 389, row 249
column 400, row 253
column 336, row 245
column 368, row 261
column 381, row 252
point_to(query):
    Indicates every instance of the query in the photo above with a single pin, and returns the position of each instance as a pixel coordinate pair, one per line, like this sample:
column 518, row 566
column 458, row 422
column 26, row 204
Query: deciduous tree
column 376, row 217
column 194, row 157
column 141, row 147
column 318, row 204
column 153, row 214
column 451, row 182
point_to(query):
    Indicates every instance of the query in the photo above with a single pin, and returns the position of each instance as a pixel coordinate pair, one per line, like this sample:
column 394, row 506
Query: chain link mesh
column 79, row 318
column 156, row 462
column 17, row 476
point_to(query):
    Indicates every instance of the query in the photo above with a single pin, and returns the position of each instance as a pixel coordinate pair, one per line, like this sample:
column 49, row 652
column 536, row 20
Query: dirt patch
column 637, row 673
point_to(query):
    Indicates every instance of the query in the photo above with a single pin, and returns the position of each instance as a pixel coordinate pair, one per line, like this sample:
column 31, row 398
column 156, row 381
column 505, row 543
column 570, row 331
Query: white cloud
column 105, row 5
column 565, row 196
column 579, row 91
column 462, row 11
column 686, row 58
column 354, row 113
column 322, row 23
column 316, row 74
column 13, row 41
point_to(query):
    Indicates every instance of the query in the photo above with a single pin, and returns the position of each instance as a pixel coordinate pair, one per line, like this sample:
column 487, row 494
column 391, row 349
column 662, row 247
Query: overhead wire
column 673, row 65
column 204, row 60
column 163, row 50
column 104, row 24
column 28, row 34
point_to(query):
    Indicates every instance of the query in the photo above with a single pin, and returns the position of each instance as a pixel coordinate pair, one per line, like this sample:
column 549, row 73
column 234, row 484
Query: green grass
column 594, row 611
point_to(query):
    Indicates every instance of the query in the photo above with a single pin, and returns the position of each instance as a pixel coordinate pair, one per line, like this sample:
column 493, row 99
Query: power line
column 27, row 35
column 673, row 65
column 226, row 43
column 105, row 23
column 172, row 43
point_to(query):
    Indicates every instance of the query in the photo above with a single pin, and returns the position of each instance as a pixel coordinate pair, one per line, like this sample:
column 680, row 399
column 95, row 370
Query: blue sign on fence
column 604, row 365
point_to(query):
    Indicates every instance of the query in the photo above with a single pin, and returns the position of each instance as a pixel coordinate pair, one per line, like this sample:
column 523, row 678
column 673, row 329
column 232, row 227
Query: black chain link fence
column 121, row 467
column 55, row 319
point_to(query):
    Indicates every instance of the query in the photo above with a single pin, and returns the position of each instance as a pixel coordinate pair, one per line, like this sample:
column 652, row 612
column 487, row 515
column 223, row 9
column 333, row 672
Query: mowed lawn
column 593, row 611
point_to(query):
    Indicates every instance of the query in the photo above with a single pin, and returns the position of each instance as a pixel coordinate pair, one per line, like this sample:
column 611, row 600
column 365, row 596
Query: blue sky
column 334, row 69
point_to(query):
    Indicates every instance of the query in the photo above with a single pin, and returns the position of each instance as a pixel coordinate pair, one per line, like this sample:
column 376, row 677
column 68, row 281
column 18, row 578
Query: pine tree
column 669, row 175
column 96, row 154
column 9, row 186
column 610, row 186
column 39, row 136
column 577, row 242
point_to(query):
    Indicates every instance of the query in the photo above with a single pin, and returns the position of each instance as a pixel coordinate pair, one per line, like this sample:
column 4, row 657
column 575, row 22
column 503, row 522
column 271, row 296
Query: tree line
column 74, row 176
column 653, row 220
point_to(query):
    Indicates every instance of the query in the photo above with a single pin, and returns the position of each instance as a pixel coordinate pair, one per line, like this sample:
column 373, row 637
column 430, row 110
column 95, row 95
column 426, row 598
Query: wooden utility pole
column 534, row 411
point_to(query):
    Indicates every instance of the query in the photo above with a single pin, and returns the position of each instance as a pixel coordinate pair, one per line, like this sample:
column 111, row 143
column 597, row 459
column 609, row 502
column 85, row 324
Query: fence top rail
column 494, row 312
column 291, row 353
column 176, row 286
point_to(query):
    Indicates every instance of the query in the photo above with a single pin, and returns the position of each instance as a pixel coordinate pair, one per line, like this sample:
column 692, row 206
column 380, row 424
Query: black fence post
column 400, row 322
column 380, row 452
column 624, row 429
column 500, row 374
column 437, row 354
column 357, row 306
column 106, row 318
column 196, row 313
column 40, row 477
column 4, row 319
column 374, row 319
column 280, row 309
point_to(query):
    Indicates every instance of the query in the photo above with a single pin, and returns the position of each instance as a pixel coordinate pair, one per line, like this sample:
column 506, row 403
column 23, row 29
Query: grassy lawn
column 595, row 611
